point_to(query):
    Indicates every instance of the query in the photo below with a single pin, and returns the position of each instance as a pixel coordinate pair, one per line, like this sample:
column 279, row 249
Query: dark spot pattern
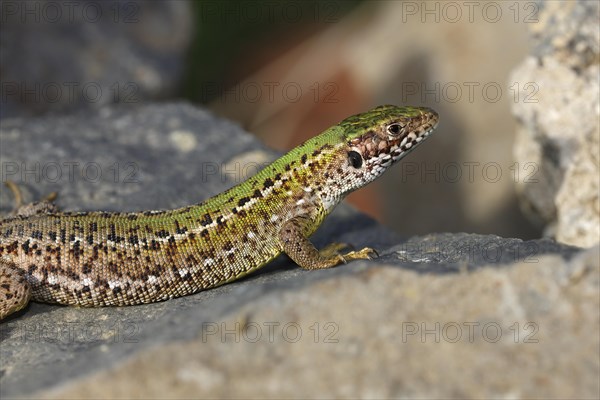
column 206, row 220
column 243, row 201
column 268, row 183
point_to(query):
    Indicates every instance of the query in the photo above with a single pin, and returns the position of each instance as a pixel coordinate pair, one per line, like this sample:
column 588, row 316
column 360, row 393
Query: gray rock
column 66, row 56
column 376, row 330
column 350, row 331
column 559, row 131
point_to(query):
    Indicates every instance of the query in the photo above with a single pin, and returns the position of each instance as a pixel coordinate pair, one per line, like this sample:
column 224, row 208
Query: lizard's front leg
column 297, row 246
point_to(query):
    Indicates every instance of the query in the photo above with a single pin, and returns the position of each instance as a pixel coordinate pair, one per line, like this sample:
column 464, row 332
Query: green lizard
column 114, row 259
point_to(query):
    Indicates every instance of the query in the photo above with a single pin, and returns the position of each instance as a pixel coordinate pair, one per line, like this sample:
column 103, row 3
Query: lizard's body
column 103, row 259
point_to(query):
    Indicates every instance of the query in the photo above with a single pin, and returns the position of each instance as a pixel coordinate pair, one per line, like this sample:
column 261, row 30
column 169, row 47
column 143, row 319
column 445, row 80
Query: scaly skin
column 115, row 259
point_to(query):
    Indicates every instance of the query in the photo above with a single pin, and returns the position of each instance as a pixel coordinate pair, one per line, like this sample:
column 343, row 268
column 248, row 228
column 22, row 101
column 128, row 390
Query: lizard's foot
column 46, row 205
column 296, row 245
column 333, row 249
column 364, row 254
column 330, row 257
column 15, row 291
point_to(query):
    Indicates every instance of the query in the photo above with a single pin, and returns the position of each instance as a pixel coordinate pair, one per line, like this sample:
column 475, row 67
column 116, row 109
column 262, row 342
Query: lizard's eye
column 394, row 129
column 355, row 159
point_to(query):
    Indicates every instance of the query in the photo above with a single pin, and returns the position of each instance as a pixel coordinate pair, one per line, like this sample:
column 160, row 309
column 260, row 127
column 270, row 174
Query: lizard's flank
column 116, row 259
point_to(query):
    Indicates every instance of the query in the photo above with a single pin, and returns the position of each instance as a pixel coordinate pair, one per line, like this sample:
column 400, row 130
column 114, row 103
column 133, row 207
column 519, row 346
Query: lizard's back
column 97, row 259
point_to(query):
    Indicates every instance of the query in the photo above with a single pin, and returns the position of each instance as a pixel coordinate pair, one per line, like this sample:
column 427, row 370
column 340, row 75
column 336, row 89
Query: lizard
column 94, row 259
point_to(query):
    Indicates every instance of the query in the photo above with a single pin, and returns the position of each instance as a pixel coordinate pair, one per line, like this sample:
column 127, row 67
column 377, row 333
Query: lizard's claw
column 14, row 188
column 46, row 205
column 364, row 254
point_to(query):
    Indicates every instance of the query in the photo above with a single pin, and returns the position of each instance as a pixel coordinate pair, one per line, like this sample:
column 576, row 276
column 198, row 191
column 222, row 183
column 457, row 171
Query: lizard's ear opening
column 355, row 159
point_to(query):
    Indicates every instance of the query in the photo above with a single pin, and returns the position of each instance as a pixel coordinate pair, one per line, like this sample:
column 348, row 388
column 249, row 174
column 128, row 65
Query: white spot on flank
column 289, row 193
column 251, row 235
column 230, row 251
column 152, row 279
column 299, row 202
column 183, row 272
column 113, row 284
column 87, row 282
column 52, row 280
column 308, row 189
column 274, row 218
column 209, row 261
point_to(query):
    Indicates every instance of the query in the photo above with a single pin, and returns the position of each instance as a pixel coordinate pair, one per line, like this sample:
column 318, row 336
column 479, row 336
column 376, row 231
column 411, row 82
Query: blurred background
column 515, row 84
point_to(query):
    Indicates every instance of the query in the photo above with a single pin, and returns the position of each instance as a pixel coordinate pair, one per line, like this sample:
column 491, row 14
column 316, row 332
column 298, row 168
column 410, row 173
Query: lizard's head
column 375, row 140
column 382, row 136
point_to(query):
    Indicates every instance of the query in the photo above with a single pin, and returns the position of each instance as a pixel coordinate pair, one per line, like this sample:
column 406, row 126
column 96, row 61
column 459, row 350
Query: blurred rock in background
column 450, row 58
column 560, row 132
column 67, row 56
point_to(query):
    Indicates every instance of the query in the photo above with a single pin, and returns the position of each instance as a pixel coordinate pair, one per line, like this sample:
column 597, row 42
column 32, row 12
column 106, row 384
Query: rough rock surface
column 560, row 125
column 444, row 315
column 380, row 331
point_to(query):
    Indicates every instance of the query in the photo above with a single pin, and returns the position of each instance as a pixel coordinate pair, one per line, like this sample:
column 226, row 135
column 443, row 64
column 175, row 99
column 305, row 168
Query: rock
column 124, row 158
column 66, row 56
column 438, row 315
column 559, row 131
column 376, row 330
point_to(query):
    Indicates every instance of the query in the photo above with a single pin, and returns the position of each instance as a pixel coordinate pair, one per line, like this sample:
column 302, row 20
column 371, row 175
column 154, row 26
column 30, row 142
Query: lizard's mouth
column 401, row 149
